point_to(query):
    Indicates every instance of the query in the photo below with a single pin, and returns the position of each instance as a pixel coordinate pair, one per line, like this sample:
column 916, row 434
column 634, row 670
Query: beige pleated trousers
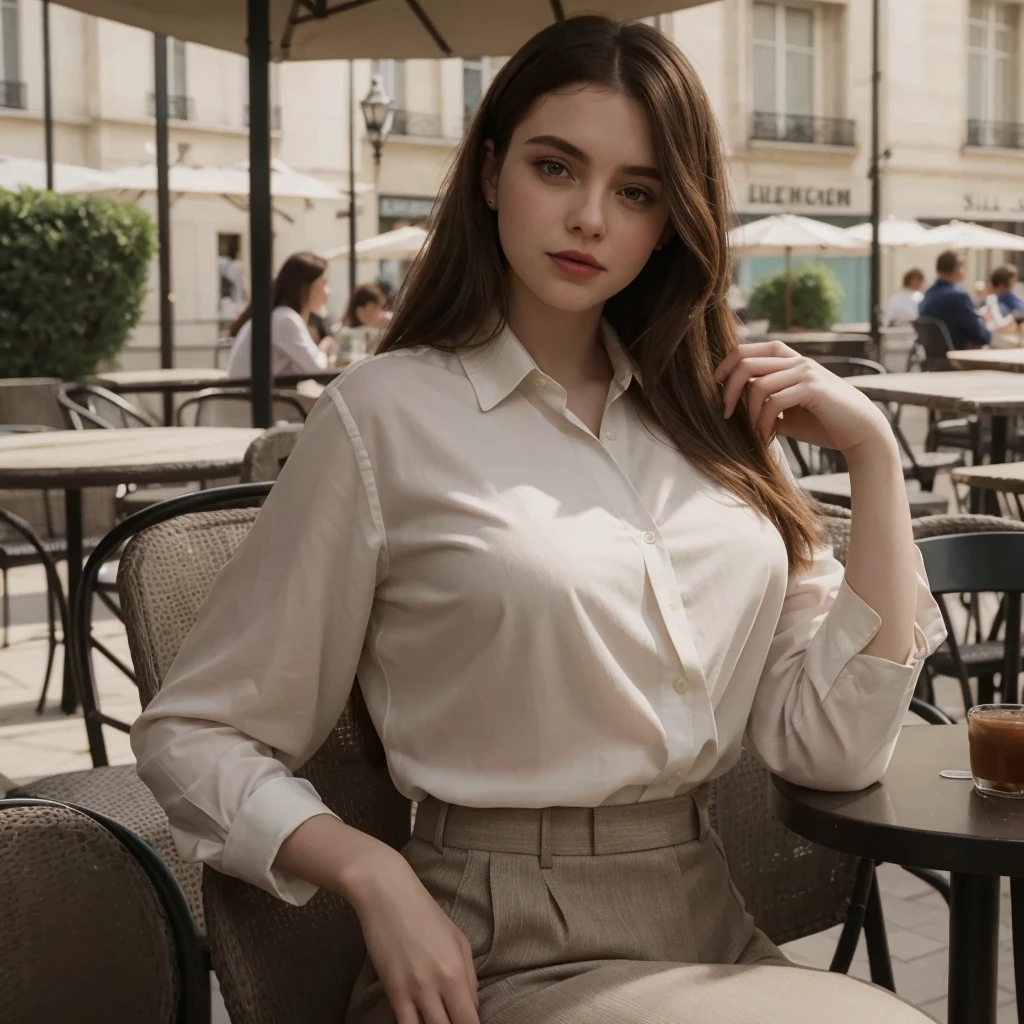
column 612, row 915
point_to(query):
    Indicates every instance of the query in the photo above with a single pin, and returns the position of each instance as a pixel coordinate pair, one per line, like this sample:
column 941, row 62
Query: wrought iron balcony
column 12, row 94
column 179, row 108
column 406, row 122
column 275, row 117
column 821, row 131
column 995, row 134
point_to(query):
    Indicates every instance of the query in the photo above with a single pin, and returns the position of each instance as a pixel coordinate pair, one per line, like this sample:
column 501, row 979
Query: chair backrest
column 266, row 456
column 850, row 366
column 971, row 563
column 88, row 406
column 94, row 926
column 275, row 962
column 232, row 407
column 933, row 337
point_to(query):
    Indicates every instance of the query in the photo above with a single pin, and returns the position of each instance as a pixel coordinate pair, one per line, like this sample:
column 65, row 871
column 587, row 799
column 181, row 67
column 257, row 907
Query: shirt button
column 541, row 382
column 649, row 537
column 610, row 435
column 673, row 607
column 680, row 685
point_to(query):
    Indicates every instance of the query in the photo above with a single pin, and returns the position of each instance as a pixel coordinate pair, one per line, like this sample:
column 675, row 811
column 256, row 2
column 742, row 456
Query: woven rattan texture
column 264, row 457
column 276, row 963
column 118, row 793
column 83, row 938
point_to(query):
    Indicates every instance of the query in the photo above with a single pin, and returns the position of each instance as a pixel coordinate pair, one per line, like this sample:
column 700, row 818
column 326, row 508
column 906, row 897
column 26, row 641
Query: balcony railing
column 12, row 94
column 179, row 108
column 407, row 122
column 995, row 134
column 275, row 117
column 821, row 131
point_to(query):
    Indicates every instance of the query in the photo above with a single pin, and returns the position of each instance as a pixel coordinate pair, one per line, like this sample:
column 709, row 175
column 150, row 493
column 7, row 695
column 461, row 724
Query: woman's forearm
column 881, row 566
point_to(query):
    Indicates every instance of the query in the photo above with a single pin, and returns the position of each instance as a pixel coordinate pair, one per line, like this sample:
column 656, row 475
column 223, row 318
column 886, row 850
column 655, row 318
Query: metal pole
column 163, row 214
column 260, row 237
column 876, row 191
column 47, row 96
column 351, row 179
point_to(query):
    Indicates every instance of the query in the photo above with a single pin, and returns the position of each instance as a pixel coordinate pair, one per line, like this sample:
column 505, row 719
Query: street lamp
column 378, row 108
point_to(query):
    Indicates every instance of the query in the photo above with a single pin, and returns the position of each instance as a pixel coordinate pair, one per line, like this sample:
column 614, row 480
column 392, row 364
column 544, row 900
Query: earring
column 490, row 202
column 659, row 247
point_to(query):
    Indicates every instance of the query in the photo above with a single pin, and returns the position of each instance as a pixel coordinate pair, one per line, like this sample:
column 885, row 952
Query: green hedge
column 817, row 298
column 72, row 281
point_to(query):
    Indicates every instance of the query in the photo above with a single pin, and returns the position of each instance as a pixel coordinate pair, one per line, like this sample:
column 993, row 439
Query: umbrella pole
column 163, row 215
column 789, row 290
column 352, row 207
column 259, row 206
column 47, row 96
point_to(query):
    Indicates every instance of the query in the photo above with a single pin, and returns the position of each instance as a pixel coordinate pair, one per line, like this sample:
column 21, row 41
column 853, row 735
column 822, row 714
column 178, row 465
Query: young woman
column 300, row 289
column 367, row 307
column 550, row 531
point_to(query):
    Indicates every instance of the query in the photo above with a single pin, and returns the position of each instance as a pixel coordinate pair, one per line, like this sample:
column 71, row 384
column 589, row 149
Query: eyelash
column 547, row 161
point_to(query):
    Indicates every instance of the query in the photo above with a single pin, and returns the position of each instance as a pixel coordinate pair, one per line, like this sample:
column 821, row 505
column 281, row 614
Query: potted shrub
column 809, row 297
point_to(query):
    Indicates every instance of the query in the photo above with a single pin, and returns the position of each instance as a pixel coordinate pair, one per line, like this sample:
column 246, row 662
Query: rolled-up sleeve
column 825, row 714
column 267, row 669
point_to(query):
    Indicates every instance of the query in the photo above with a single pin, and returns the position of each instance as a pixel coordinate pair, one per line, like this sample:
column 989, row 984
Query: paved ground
column 32, row 745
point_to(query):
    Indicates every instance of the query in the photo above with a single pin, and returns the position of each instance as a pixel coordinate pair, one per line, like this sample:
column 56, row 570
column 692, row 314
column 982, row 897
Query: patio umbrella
column 893, row 233
column 787, row 233
column 18, row 172
column 400, row 244
column 959, row 234
column 323, row 30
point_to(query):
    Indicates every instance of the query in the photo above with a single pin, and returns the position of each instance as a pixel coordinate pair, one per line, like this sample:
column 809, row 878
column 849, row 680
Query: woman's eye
column 636, row 195
column 553, row 168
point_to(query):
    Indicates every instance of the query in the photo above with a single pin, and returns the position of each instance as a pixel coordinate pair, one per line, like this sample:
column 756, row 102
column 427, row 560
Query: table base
column 973, row 948
column 73, row 534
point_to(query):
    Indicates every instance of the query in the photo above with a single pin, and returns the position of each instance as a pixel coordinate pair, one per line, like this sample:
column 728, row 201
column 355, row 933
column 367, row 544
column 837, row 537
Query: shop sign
column 987, row 202
column 798, row 195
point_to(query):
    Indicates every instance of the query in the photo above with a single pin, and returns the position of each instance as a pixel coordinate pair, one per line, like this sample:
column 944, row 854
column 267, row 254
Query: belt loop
column 700, row 798
column 442, row 814
column 545, row 838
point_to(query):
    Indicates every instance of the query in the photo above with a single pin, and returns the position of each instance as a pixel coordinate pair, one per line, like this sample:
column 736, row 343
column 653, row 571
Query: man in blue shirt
column 1002, row 280
column 948, row 302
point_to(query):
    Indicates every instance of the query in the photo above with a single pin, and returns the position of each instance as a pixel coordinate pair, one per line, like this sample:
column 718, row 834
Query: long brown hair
column 674, row 318
column 362, row 296
column 297, row 275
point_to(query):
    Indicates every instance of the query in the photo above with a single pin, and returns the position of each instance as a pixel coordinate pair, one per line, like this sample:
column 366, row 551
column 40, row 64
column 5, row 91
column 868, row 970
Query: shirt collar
column 497, row 368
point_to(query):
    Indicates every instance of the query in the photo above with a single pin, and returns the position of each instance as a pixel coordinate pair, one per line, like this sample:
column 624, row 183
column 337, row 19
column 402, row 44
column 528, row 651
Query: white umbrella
column 383, row 28
column 400, row 244
column 18, row 172
column 893, row 233
column 787, row 233
column 959, row 234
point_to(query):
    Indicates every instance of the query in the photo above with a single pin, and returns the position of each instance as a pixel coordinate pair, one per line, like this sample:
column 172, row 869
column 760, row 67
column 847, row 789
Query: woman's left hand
column 786, row 393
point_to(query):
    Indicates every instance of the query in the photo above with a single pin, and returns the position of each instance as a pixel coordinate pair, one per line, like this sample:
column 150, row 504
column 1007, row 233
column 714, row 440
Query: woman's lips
column 574, row 268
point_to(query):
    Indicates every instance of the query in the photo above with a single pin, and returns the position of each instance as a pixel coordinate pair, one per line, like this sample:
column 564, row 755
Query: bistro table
column 1001, row 478
column 917, row 818
column 984, row 393
column 73, row 459
column 1009, row 359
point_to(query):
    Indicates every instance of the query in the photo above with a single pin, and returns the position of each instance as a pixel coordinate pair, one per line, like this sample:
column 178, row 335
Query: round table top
column 93, row 458
column 1011, row 359
column 914, row 816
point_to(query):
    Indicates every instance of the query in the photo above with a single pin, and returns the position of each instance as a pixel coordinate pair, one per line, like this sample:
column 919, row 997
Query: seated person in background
column 300, row 288
column 1003, row 281
column 904, row 304
column 945, row 300
column 365, row 318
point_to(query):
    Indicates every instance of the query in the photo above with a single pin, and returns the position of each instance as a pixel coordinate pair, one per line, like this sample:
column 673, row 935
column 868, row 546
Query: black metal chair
column 232, row 407
column 96, row 928
column 88, row 406
column 977, row 563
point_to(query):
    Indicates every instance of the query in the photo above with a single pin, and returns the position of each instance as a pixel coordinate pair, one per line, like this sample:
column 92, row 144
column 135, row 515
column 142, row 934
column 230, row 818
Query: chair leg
column 52, row 633
column 6, row 611
column 846, row 947
column 933, row 878
column 877, row 940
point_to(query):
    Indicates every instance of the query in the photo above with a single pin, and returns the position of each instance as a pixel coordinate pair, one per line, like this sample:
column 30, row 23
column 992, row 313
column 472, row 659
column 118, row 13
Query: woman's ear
column 489, row 175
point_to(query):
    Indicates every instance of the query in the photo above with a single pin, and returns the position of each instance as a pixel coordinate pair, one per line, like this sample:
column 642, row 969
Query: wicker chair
column 94, row 928
column 267, row 454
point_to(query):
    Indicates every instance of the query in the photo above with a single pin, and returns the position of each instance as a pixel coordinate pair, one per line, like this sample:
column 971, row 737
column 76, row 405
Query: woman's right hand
column 423, row 961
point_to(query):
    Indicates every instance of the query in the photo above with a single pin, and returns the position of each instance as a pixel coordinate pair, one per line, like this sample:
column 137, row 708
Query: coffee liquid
column 997, row 749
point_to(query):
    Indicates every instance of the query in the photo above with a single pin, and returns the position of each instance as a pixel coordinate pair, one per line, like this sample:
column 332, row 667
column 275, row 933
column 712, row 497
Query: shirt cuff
column 267, row 818
column 851, row 624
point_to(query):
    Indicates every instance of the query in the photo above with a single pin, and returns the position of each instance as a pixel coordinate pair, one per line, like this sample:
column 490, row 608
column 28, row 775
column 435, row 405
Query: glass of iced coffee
column 995, row 733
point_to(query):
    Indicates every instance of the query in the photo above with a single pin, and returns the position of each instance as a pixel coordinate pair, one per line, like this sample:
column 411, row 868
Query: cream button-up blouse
column 538, row 616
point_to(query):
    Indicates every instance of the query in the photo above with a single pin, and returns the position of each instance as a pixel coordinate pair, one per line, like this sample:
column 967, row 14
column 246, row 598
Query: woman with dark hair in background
column 300, row 288
column 552, row 532
column 367, row 307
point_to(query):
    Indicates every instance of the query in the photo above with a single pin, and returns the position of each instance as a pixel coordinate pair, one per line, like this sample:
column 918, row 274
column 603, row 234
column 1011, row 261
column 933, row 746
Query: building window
column 275, row 95
column 177, row 68
column 474, row 80
column 783, row 59
column 392, row 76
column 993, row 80
column 12, row 88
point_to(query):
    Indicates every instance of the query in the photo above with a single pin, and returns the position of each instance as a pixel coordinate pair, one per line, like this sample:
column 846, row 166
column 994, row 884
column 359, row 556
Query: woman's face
column 371, row 314
column 579, row 198
column 319, row 290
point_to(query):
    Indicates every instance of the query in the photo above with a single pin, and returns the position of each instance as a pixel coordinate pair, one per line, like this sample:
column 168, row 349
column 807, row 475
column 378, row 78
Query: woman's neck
column 565, row 345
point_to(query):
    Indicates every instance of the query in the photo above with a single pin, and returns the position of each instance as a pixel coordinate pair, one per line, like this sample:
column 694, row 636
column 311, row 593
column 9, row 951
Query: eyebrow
column 556, row 142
